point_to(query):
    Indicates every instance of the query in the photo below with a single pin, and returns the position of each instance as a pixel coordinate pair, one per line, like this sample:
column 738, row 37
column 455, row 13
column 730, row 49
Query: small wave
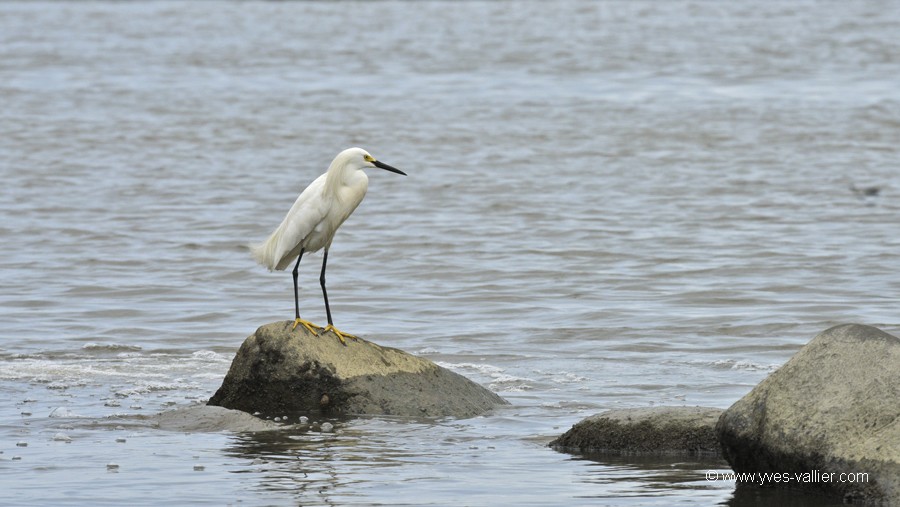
column 207, row 376
column 209, row 355
column 63, row 412
column 510, row 384
column 110, row 347
column 563, row 377
column 484, row 369
column 150, row 387
column 733, row 364
column 500, row 380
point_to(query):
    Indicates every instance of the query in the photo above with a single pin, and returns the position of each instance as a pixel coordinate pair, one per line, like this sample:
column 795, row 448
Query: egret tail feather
column 264, row 253
column 258, row 252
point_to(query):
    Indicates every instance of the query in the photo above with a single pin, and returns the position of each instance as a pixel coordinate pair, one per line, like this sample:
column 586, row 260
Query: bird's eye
column 368, row 158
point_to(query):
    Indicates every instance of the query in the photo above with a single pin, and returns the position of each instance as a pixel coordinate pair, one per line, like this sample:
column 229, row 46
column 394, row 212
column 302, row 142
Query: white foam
column 47, row 371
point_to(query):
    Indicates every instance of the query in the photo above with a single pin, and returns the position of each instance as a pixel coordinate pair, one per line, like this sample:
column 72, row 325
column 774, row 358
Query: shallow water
column 609, row 204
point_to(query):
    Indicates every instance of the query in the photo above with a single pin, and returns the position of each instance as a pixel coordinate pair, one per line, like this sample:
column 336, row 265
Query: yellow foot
column 339, row 334
column 307, row 324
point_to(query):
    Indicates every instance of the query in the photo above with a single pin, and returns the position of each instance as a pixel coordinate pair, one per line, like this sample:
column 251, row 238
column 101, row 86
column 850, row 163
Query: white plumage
column 317, row 213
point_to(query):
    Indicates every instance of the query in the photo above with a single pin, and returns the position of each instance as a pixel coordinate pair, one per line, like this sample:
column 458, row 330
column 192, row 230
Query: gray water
column 609, row 204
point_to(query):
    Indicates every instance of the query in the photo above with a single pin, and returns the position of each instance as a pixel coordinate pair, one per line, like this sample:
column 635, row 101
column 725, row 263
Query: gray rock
column 203, row 418
column 278, row 370
column 833, row 408
column 645, row 431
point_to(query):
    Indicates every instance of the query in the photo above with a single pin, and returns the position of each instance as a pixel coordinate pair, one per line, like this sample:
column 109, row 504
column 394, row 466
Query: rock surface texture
column 278, row 370
column 833, row 409
column 645, row 431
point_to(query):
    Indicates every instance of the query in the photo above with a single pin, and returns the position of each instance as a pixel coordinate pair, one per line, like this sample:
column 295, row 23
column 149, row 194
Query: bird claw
column 339, row 334
column 307, row 324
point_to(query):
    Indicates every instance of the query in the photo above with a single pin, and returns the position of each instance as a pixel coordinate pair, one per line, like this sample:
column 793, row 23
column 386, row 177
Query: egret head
column 359, row 158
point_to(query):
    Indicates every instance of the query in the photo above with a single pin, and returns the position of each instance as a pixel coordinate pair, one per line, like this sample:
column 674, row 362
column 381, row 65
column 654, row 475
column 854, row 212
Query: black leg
column 296, row 292
column 330, row 326
column 325, row 292
column 297, row 320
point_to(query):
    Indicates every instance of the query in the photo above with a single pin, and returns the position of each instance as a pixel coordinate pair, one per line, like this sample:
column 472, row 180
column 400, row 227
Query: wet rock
column 833, row 409
column 203, row 418
column 279, row 370
column 645, row 431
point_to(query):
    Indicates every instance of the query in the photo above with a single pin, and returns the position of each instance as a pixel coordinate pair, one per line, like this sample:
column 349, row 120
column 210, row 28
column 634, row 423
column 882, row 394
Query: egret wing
column 285, row 242
column 301, row 221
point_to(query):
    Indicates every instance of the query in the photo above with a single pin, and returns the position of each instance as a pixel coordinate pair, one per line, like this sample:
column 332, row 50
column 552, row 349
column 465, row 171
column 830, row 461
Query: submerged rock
column 833, row 409
column 203, row 418
column 278, row 370
column 645, row 431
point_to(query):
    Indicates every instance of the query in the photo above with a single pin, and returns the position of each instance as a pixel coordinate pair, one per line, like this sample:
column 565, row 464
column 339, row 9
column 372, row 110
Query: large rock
column 645, row 431
column 833, row 409
column 278, row 370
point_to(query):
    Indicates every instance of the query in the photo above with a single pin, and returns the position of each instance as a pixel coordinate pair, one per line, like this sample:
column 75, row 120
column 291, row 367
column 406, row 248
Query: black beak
column 388, row 168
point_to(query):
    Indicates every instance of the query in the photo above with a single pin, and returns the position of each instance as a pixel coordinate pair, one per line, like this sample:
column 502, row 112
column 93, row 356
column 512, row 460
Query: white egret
column 314, row 218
